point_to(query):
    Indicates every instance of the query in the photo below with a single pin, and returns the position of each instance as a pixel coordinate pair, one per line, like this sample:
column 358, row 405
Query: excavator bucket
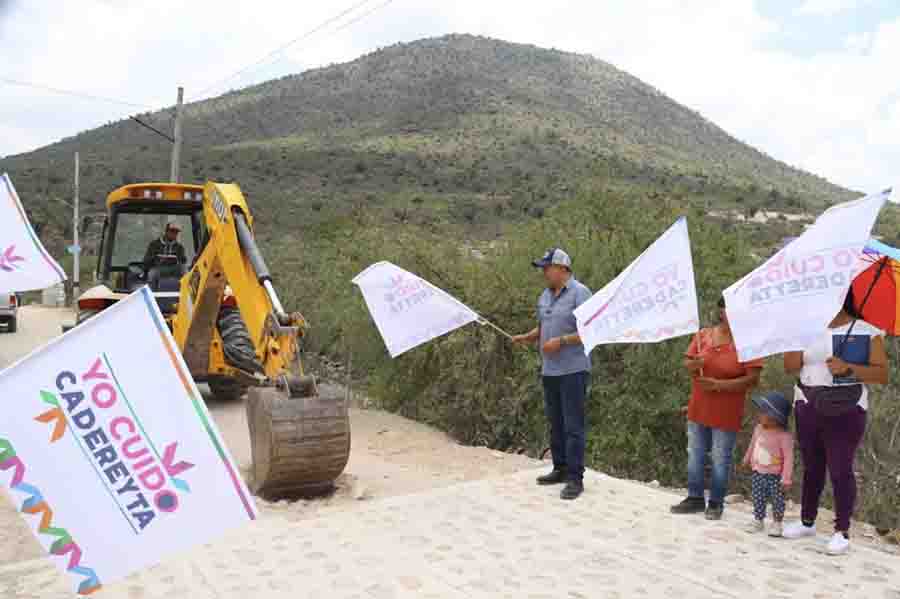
column 300, row 438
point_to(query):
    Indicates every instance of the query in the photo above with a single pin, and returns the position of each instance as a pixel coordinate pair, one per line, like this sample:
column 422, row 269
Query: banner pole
column 482, row 321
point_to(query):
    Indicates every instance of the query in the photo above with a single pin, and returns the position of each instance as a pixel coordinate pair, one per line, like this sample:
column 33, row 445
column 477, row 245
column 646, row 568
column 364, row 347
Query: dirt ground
column 390, row 455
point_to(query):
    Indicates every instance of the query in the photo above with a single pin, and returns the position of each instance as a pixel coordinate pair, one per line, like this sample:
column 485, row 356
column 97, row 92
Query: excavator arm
column 230, row 260
column 300, row 438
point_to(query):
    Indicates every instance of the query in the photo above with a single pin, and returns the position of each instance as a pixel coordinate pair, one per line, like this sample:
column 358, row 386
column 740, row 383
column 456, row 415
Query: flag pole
column 484, row 321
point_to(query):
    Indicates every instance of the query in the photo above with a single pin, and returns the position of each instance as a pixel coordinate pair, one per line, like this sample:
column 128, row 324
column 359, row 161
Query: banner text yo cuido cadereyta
column 141, row 481
column 804, row 275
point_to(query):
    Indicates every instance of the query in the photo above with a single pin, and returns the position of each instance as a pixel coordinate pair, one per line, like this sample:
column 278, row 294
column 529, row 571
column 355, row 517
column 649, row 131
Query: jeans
column 829, row 443
column 720, row 445
column 564, row 405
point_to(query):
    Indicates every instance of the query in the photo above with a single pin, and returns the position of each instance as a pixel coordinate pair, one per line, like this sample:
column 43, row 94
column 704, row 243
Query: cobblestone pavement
column 498, row 538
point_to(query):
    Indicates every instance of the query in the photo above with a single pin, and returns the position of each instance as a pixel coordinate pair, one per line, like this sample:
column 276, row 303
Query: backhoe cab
column 217, row 296
column 137, row 215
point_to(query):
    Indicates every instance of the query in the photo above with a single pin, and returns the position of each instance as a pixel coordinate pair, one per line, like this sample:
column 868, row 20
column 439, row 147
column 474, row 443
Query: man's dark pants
column 564, row 405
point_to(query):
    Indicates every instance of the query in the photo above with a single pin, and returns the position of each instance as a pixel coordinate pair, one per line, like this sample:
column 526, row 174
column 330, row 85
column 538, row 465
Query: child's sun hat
column 775, row 405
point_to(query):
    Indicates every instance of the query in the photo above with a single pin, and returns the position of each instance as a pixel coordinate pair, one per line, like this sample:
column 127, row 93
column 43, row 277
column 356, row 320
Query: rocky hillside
column 458, row 129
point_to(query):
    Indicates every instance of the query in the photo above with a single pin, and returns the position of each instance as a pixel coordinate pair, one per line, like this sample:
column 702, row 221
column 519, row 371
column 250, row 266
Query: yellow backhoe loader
column 194, row 245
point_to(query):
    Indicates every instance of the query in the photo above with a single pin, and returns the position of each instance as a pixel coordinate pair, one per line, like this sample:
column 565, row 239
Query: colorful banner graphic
column 24, row 263
column 786, row 304
column 408, row 310
column 652, row 300
column 109, row 452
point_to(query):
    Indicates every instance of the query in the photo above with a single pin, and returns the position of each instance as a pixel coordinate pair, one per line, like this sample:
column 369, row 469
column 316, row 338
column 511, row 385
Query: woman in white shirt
column 831, row 399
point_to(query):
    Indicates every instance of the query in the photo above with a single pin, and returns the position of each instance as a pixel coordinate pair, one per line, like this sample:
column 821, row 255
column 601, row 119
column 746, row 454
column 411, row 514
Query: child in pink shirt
column 771, row 457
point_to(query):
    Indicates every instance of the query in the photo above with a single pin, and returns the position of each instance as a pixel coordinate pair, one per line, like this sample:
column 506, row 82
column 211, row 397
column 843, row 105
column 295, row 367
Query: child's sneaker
column 755, row 527
column 798, row 530
column 776, row 529
column 838, row 545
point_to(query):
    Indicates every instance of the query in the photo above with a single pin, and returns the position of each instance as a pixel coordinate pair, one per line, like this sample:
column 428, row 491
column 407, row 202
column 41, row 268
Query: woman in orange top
column 719, row 388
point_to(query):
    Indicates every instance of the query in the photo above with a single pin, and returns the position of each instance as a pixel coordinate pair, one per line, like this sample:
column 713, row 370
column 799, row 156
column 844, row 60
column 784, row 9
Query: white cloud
column 827, row 8
column 836, row 112
column 859, row 43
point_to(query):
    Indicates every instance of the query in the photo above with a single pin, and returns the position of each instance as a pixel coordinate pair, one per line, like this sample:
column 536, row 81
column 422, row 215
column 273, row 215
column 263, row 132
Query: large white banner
column 24, row 263
column 109, row 452
column 785, row 304
column 653, row 299
column 407, row 309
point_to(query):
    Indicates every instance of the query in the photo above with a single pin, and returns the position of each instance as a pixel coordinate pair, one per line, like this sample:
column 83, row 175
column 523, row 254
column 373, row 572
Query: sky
column 811, row 82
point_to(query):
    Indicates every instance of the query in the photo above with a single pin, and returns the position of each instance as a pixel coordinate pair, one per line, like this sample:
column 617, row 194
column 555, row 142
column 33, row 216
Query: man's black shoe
column 557, row 477
column 572, row 490
column 714, row 511
column 691, row 505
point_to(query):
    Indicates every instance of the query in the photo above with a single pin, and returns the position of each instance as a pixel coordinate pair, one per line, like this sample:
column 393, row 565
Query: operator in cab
column 165, row 256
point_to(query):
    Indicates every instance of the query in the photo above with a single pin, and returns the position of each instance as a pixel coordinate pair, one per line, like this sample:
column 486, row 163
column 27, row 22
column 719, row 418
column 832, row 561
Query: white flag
column 24, row 263
column 651, row 300
column 108, row 451
column 407, row 309
column 785, row 304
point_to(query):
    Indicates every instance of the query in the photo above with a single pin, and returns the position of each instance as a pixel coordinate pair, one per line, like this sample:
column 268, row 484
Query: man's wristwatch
column 562, row 340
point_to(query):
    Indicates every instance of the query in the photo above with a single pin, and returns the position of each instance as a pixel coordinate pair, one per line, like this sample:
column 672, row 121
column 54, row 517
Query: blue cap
column 554, row 256
column 775, row 405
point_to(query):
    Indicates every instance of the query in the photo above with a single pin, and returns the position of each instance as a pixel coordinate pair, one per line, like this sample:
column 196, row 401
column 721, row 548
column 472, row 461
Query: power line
column 362, row 16
column 91, row 97
column 283, row 47
column 67, row 92
column 209, row 127
column 152, row 128
column 265, row 58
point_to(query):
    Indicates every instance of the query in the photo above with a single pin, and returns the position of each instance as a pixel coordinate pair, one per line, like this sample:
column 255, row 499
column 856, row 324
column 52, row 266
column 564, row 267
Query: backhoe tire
column 236, row 343
column 227, row 390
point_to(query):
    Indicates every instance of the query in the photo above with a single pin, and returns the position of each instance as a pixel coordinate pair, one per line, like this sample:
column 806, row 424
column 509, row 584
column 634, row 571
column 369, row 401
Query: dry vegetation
column 418, row 153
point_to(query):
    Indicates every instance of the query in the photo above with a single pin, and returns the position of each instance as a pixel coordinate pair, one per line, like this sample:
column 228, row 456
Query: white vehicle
column 9, row 307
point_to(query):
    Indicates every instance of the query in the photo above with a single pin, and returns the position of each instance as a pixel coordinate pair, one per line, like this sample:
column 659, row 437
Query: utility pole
column 176, row 147
column 76, row 249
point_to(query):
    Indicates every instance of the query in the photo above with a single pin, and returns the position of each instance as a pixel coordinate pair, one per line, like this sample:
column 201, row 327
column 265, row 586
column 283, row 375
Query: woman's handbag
column 832, row 401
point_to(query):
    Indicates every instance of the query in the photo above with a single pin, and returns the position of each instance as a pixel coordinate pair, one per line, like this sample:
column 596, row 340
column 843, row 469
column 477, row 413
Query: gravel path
column 390, row 455
column 418, row 515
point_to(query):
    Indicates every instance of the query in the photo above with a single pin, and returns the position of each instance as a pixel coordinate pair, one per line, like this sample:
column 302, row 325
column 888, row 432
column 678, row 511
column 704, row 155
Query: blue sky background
column 805, row 31
column 811, row 82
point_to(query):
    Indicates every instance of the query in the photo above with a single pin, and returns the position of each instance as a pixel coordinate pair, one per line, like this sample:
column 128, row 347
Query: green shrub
column 473, row 384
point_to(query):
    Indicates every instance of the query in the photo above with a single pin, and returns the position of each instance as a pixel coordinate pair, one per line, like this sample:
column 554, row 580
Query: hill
column 458, row 129
column 460, row 158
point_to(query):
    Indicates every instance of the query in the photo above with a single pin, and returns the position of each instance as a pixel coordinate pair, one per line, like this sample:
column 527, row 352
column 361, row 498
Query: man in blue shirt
column 565, row 371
